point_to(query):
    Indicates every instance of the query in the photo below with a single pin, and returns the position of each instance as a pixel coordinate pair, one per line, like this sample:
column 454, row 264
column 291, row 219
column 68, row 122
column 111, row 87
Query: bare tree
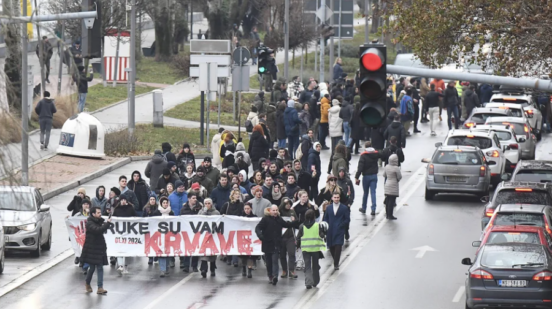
column 12, row 66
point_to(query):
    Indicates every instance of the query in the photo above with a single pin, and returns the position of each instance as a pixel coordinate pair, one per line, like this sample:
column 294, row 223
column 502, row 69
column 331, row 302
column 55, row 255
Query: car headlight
column 27, row 227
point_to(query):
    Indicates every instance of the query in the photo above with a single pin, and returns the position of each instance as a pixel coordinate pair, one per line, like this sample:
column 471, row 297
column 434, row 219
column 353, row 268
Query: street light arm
column 44, row 18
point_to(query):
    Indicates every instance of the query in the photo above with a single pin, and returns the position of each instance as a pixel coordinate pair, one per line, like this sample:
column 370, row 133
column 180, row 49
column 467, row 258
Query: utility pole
column 60, row 50
column 132, row 75
column 330, row 67
column 286, row 41
column 24, row 103
column 322, row 42
column 40, row 54
column 366, row 28
column 315, row 49
column 191, row 21
column 339, row 42
column 116, row 58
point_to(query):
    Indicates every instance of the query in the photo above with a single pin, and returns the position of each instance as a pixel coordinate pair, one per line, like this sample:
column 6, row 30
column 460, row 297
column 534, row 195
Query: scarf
column 278, row 195
column 164, row 211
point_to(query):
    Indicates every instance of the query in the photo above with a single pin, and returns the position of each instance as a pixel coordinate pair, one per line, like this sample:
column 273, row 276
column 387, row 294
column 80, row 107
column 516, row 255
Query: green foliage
column 100, row 96
column 151, row 71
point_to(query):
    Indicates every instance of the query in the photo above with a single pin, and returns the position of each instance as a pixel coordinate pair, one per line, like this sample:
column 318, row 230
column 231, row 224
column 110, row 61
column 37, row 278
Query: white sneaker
column 120, row 269
column 433, row 133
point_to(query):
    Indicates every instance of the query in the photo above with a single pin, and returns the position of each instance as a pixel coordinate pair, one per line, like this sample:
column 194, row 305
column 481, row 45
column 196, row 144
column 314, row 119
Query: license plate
column 456, row 179
column 512, row 283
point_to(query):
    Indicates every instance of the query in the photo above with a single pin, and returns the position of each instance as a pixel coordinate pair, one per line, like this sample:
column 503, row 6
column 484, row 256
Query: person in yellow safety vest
column 310, row 239
column 459, row 88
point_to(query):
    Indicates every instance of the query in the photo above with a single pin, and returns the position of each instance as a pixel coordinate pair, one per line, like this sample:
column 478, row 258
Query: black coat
column 314, row 159
column 76, row 205
column 124, row 211
column 280, row 125
column 357, row 126
column 141, row 190
column 162, row 183
column 395, row 129
column 258, row 147
column 232, row 209
column 94, row 251
column 304, row 180
column 269, row 231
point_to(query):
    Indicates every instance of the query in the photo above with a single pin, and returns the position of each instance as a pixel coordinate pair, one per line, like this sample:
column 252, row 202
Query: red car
column 515, row 234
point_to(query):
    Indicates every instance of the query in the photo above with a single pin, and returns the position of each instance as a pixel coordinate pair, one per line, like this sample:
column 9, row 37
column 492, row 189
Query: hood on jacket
column 296, row 161
column 392, row 115
column 244, row 174
column 335, row 102
column 98, row 192
column 305, row 137
column 394, row 160
column 396, row 125
column 240, row 147
column 157, row 158
column 139, row 175
column 261, row 160
column 282, row 208
column 314, row 146
column 291, row 103
column 166, row 147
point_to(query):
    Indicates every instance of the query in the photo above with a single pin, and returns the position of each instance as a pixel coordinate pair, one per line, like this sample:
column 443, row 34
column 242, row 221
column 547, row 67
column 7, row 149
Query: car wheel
column 539, row 135
column 467, row 307
column 2, row 259
column 36, row 253
column 48, row 244
column 429, row 195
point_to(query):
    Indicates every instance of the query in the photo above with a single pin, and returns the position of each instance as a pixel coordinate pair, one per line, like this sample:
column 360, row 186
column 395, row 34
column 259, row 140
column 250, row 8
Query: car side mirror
column 476, row 244
column 426, row 160
column 521, row 140
column 466, row 261
column 439, row 144
column 485, row 199
column 491, row 162
column 44, row 208
column 506, row 177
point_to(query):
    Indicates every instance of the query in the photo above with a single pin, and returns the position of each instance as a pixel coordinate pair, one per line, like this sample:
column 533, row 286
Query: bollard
column 157, row 108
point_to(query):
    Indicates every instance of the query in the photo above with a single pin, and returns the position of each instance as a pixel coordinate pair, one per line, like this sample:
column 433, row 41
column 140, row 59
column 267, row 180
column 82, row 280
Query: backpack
column 165, row 157
column 298, row 153
column 410, row 107
column 248, row 126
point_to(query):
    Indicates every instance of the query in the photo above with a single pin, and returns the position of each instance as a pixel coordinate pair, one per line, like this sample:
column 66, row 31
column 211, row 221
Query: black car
column 510, row 275
column 533, row 171
column 517, row 192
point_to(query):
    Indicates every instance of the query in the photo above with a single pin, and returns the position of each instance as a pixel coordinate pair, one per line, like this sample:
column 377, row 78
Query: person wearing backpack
column 452, row 100
column 407, row 110
column 395, row 129
column 391, row 149
column 252, row 120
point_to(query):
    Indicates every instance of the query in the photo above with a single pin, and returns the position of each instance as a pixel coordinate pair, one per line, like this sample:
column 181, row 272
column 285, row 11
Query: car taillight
column 526, row 129
column 431, row 169
column 530, row 112
column 493, row 153
column 469, row 124
column 524, row 190
column 489, row 212
column 543, row 276
column 514, row 146
column 482, row 171
column 481, row 274
column 547, row 228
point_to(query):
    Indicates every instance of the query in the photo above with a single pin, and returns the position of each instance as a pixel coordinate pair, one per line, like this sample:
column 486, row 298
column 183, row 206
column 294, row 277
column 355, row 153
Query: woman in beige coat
column 392, row 173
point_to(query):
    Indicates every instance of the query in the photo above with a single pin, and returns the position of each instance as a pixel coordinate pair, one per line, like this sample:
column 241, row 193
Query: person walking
column 211, row 260
column 44, row 52
column 287, row 248
column 338, row 218
column 314, row 166
column 416, row 104
column 123, row 210
column 141, row 190
column 45, row 109
column 424, row 90
column 337, row 69
column 393, row 148
column 345, row 114
column 258, row 146
column 392, row 173
column 368, row 167
column 397, row 130
column 407, row 110
column 357, row 128
column 248, row 261
column 324, row 120
column 280, row 124
column 269, row 231
column 155, row 168
column 310, row 239
column 335, row 124
column 452, row 99
column 94, row 250
column 82, row 82
column 292, row 123
column 100, row 199
column 432, row 102
column 164, row 210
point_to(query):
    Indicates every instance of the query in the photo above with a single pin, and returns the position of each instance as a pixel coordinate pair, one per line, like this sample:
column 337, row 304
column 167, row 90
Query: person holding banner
column 191, row 207
column 310, row 239
column 148, row 211
column 85, row 212
column 269, row 231
column 163, row 210
column 208, row 210
column 94, row 250
column 248, row 261
column 123, row 210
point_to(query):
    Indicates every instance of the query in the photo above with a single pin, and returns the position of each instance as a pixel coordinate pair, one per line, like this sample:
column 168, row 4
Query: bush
column 119, row 143
column 347, row 50
column 181, row 63
column 10, row 130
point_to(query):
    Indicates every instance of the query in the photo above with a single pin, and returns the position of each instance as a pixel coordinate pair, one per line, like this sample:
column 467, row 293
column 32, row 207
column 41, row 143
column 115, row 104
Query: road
column 378, row 263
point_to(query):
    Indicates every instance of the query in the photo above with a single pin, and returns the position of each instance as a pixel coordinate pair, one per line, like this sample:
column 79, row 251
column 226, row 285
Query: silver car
column 26, row 219
column 2, row 249
column 526, row 139
column 480, row 114
column 457, row 169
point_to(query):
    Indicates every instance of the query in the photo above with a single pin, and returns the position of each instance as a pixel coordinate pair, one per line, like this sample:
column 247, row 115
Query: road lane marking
column 422, row 251
column 329, row 276
column 169, row 291
column 459, row 294
column 35, row 272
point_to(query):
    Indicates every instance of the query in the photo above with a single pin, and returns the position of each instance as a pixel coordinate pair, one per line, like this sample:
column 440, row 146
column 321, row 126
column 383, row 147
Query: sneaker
column 249, row 275
column 150, row 261
column 42, row 148
column 162, row 275
column 362, row 210
column 186, row 269
column 284, row 274
column 212, row 273
column 120, row 269
column 292, row 275
column 392, row 218
column 101, row 291
column 112, row 261
column 125, row 271
column 195, row 270
column 309, row 287
column 204, row 274
column 77, row 260
column 433, row 133
column 373, row 213
column 88, row 288
column 336, row 267
column 274, row 280
column 417, row 131
column 171, row 263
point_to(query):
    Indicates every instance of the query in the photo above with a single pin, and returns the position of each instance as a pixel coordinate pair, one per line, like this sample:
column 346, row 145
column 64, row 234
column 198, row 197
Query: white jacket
column 254, row 117
column 335, row 123
column 217, row 162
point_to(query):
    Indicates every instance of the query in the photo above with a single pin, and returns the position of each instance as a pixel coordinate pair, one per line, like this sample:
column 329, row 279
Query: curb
column 117, row 103
column 87, row 178
column 185, row 80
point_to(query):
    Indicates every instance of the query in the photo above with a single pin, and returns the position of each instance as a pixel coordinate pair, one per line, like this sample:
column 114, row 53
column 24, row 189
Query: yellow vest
column 311, row 241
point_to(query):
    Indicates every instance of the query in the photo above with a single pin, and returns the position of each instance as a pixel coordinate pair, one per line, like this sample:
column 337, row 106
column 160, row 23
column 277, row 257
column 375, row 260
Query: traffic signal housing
column 263, row 59
column 373, row 84
column 91, row 39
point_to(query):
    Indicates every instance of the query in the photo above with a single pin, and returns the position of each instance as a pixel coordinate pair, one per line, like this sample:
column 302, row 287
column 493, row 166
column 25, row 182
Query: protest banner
column 173, row 236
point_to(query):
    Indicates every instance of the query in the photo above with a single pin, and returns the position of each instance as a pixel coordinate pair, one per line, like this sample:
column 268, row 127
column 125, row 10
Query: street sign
column 221, row 60
column 210, row 46
column 243, row 53
column 221, row 72
column 240, row 78
column 320, row 13
column 312, row 7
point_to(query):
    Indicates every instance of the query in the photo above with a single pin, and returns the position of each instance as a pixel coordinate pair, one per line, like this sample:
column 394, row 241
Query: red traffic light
column 372, row 59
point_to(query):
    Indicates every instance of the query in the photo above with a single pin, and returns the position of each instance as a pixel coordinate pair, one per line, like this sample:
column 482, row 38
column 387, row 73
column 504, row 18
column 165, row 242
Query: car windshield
column 511, row 196
column 482, row 117
column 533, row 176
column 19, row 201
column 508, row 256
column 518, row 218
column 503, row 135
column 457, row 158
column 519, row 128
column 523, row 102
column 505, row 237
column 475, row 141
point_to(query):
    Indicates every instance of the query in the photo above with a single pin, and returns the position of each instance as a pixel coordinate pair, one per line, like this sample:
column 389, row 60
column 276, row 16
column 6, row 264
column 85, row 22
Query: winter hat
column 116, row 191
column 335, row 102
column 46, row 94
column 291, row 103
column 170, row 164
column 123, row 197
column 273, row 153
column 86, row 201
column 201, row 169
column 195, row 186
column 315, row 144
column 232, row 169
column 207, row 159
column 178, row 183
column 244, row 174
column 331, row 177
column 166, row 171
column 157, row 151
column 186, row 145
column 81, row 190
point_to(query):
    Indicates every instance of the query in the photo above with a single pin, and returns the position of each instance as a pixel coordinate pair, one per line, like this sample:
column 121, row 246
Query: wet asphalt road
column 378, row 268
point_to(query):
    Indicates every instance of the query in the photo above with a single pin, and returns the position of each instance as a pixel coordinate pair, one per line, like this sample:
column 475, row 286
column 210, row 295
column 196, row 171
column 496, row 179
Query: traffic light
column 264, row 59
column 373, row 84
column 91, row 39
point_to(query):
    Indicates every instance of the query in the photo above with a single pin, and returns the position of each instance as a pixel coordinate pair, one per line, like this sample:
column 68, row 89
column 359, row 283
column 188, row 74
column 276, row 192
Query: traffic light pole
column 322, row 60
column 286, row 41
column 330, row 67
column 132, row 81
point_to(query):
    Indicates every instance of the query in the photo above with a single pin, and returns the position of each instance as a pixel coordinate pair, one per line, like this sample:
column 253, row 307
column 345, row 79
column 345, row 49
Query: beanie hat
column 166, row 171
column 86, row 201
column 116, row 191
column 186, row 145
column 178, row 183
column 170, row 164
column 81, row 190
column 207, row 159
column 201, row 169
column 291, row 103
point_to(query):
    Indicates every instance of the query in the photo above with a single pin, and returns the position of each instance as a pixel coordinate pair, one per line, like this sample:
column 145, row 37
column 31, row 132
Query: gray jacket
column 259, row 205
column 154, row 169
column 393, row 174
column 45, row 109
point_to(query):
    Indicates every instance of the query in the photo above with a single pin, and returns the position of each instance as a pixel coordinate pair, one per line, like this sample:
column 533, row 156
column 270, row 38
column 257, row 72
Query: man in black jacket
column 416, row 101
column 396, row 129
column 451, row 101
column 82, row 82
column 392, row 148
column 45, row 110
column 314, row 111
column 368, row 167
column 141, row 190
column 432, row 101
column 94, row 250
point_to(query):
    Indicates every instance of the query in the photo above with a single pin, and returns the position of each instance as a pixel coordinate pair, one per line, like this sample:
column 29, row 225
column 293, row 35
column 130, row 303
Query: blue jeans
column 346, row 133
column 281, row 143
column 163, row 261
column 193, row 259
column 99, row 277
column 82, row 100
column 293, row 142
column 369, row 185
column 453, row 110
